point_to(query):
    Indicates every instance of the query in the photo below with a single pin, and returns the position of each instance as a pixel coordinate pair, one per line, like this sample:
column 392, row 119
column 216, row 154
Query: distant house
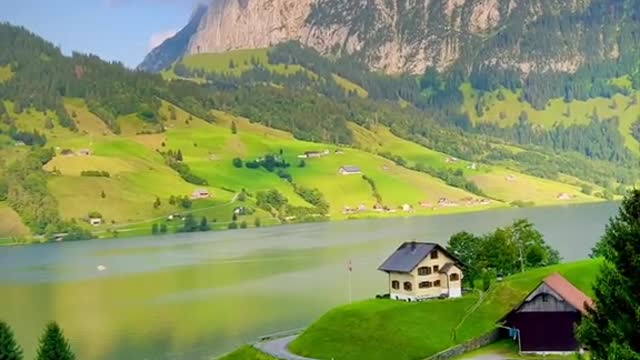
column 407, row 208
column 451, row 160
column 200, row 194
column 313, row 154
column 66, row 152
column 19, row 143
column 546, row 318
column 473, row 166
column 95, row 221
column 564, row 196
column 511, row 178
column 84, row 152
column 419, row 271
column 349, row 170
column 339, row 152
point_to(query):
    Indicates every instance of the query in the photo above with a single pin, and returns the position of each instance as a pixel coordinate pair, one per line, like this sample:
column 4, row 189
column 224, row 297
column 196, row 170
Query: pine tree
column 611, row 328
column 234, row 128
column 53, row 345
column 9, row 349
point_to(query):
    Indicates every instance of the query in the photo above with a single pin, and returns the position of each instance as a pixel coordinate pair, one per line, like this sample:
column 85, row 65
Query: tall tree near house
column 53, row 345
column 9, row 349
column 611, row 330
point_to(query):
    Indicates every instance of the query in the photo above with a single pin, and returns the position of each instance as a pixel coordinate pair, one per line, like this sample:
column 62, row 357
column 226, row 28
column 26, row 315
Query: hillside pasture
column 387, row 329
column 5, row 73
column 241, row 61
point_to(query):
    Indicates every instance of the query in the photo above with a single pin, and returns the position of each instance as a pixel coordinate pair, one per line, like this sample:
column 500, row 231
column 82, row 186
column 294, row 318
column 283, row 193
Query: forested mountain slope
column 81, row 138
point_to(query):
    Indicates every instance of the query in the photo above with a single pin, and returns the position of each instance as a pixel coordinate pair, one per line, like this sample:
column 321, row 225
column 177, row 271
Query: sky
column 115, row 30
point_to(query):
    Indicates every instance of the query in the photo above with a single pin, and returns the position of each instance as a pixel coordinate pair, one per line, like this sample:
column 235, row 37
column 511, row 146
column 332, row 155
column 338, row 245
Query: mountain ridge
column 410, row 36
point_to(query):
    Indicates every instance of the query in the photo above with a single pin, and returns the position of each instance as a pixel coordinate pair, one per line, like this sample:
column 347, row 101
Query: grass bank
column 385, row 329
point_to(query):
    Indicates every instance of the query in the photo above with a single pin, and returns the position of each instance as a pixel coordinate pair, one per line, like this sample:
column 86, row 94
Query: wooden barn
column 546, row 320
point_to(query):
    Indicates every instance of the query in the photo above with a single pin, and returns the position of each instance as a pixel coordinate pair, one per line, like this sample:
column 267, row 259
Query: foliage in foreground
column 611, row 329
column 9, row 349
column 53, row 345
column 505, row 251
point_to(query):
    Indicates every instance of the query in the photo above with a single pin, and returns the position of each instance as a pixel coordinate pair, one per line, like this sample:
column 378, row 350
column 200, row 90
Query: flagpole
column 350, row 281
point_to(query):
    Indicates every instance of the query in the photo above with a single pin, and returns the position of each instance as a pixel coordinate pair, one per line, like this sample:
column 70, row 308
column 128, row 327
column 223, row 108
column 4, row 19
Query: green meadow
column 138, row 173
column 400, row 329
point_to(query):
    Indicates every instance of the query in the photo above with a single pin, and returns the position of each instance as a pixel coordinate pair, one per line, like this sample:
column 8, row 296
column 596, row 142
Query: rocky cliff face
column 410, row 35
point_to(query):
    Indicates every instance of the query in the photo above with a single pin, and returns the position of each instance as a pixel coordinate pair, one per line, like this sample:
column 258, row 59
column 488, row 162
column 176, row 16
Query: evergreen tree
column 204, row 224
column 234, row 128
column 611, row 330
column 157, row 203
column 53, row 345
column 9, row 349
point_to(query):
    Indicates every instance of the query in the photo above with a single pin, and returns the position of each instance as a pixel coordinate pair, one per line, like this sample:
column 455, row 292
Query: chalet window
column 407, row 286
column 436, row 268
column 545, row 298
column 395, row 284
column 425, row 285
column 425, row 270
column 434, row 254
column 436, row 283
column 454, row 277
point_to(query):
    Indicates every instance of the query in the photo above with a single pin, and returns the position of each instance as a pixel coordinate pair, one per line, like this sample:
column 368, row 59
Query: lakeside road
column 279, row 348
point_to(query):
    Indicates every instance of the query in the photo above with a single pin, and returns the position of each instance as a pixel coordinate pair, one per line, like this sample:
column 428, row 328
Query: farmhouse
column 564, row 196
column 313, row 154
column 546, row 318
column 84, row 152
column 349, row 170
column 200, row 194
column 419, row 271
column 95, row 221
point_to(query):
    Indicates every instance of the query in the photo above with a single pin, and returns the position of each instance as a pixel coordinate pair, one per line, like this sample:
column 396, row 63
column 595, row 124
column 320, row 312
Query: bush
column 257, row 223
column 237, row 162
column 232, row 226
column 95, row 173
column 243, row 224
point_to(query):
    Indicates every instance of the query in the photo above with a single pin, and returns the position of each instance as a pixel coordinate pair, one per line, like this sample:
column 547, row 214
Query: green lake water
column 196, row 296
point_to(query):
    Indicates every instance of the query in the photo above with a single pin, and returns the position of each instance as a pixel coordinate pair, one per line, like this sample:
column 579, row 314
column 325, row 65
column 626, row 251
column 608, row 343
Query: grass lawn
column 247, row 353
column 385, row 329
column 220, row 62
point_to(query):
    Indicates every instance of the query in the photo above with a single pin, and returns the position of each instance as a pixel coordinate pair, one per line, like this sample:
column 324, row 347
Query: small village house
column 200, row 194
column 564, row 196
column 546, row 319
column 84, row 152
column 419, row 271
column 95, row 221
column 312, row 154
column 349, row 170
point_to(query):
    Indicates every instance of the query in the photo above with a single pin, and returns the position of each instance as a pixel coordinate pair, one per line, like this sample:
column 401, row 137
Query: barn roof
column 409, row 255
column 350, row 168
column 560, row 287
column 568, row 292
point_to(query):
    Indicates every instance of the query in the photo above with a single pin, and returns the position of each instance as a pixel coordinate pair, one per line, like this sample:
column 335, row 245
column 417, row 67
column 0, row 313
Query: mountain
column 522, row 36
column 175, row 47
column 83, row 138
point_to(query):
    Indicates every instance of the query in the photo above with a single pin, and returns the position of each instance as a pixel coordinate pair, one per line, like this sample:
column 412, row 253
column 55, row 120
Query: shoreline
column 127, row 233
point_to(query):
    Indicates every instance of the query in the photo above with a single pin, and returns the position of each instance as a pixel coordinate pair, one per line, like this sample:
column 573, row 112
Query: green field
column 411, row 331
column 139, row 175
column 557, row 111
column 505, row 185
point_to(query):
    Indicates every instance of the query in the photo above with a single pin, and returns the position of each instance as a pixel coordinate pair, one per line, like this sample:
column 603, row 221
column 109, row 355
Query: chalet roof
column 350, row 168
column 409, row 255
column 568, row 292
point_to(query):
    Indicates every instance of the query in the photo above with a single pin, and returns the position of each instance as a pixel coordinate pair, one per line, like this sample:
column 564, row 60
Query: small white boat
column 101, row 268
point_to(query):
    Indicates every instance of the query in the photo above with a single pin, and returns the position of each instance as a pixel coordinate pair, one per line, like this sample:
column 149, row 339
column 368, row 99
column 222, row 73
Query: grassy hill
column 505, row 184
column 403, row 330
column 138, row 173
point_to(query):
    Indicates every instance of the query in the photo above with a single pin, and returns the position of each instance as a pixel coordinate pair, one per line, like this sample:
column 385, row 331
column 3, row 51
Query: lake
column 196, row 296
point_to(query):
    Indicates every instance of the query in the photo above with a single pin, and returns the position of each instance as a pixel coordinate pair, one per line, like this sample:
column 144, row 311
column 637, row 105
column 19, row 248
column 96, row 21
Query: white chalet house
column 419, row 271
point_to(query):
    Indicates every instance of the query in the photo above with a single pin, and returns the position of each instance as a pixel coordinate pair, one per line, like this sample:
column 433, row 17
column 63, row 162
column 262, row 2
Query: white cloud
column 158, row 38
